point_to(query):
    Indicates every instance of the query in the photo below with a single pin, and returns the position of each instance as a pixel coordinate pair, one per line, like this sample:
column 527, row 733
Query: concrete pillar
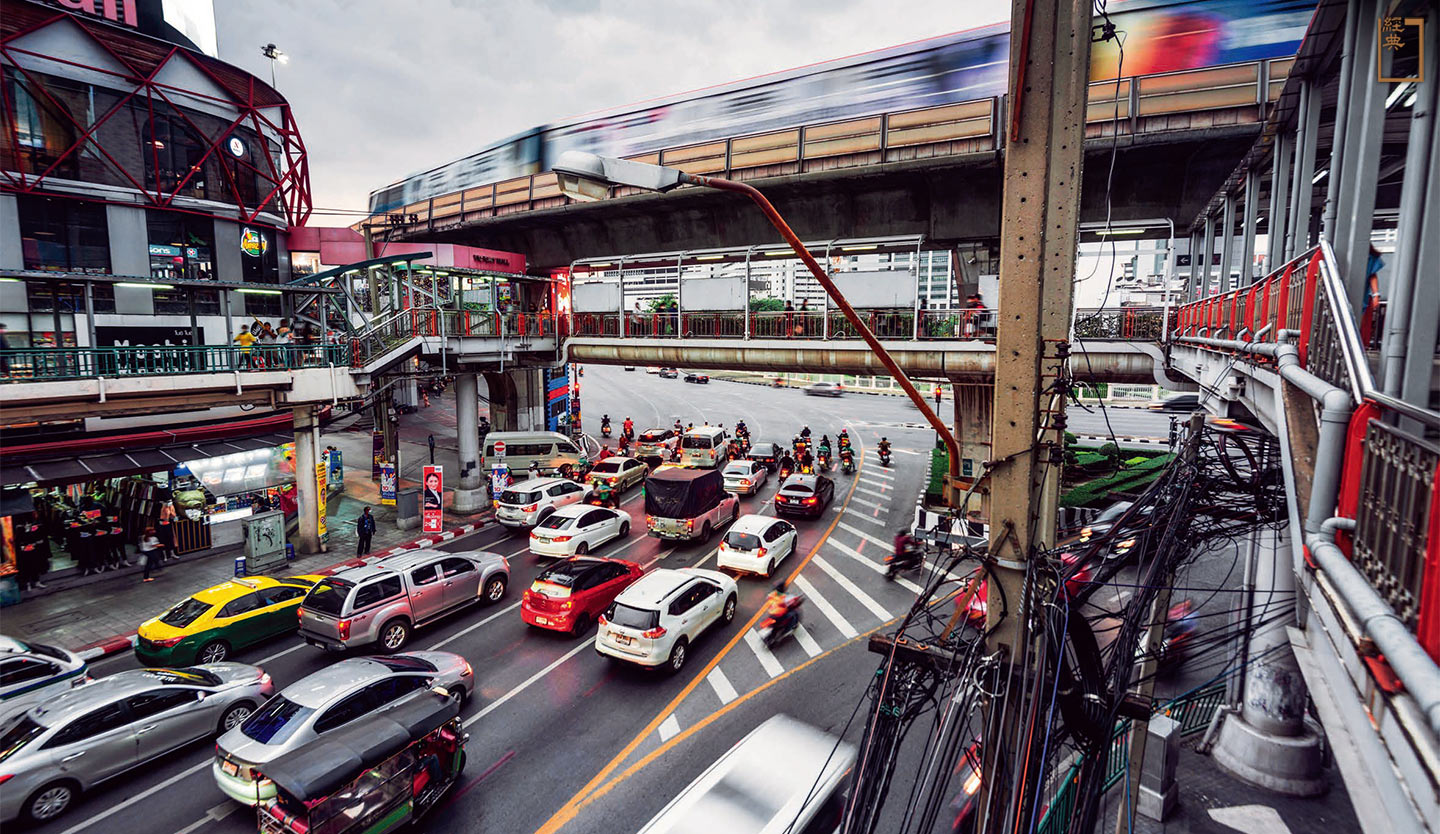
column 307, row 444
column 974, row 414
column 1247, row 229
column 1227, row 243
column 517, row 400
column 1268, row 742
column 502, row 401
column 1159, row 792
column 469, row 496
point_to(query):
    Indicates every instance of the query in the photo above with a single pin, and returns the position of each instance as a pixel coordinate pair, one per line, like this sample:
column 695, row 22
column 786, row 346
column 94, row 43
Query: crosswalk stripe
column 875, row 521
column 806, row 641
column 825, row 607
column 669, row 728
column 721, row 684
column 874, row 493
column 844, row 581
column 875, row 472
column 855, row 554
column 866, row 536
column 862, row 502
column 875, row 482
column 767, row 660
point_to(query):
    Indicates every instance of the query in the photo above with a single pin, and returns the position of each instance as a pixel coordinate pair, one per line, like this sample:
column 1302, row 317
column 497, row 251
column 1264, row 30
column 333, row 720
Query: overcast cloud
column 384, row 88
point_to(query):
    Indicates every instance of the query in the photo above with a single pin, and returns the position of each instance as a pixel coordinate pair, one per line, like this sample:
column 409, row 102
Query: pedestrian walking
column 364, row 529
column 245, row 339
column 150, row 553
column 166, row 530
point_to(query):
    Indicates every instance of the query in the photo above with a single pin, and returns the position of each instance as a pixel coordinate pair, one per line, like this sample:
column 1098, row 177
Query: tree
column 661, row 303
column 766, row 305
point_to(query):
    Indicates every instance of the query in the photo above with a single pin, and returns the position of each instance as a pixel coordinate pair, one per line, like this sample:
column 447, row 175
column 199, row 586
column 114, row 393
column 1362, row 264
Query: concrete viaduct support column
column 1268, row 743
column 307, row 445
column 517, row 400
column 974, row 416
column 469, row 494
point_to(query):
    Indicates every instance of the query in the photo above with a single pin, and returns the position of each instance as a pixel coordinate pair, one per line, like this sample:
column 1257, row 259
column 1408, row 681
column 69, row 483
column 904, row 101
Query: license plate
column 542, row 539
column 542, row 620
column 230, row 768
column 622, row 639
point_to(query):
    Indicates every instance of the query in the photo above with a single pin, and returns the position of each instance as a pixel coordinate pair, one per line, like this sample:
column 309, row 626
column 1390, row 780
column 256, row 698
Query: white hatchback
column 528, row 502
column 756, row 544
column 745, row 476
column 653, row 622
column 577, row 529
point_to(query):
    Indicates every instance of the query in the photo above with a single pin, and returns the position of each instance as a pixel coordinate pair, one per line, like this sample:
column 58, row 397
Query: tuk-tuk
column 371, row 777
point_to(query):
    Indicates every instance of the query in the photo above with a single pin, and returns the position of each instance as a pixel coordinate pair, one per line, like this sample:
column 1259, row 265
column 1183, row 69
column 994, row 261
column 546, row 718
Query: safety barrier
column 1387, row 465
column 1145, row 323
column 57, row 364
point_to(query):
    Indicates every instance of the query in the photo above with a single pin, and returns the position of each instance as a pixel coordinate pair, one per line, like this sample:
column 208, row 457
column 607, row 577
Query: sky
column 385, row 88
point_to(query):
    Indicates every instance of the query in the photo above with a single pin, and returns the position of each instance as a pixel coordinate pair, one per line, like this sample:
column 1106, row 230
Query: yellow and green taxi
column 211, row 625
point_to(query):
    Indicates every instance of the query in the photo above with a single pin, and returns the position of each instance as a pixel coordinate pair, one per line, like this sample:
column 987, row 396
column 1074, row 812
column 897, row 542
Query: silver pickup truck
column 384, row 603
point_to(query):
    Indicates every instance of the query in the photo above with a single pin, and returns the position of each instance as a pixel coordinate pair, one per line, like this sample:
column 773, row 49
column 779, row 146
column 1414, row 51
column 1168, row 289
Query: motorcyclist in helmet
column 628, row 427
column 824, row 447
column 805, row 432
column 884, row 446
column 844, row 439
column 605, row 425
column 781, row 605
column 807, row 462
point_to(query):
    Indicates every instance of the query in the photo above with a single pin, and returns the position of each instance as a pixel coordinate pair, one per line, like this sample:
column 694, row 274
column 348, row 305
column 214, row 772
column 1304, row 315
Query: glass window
column 43, row 130
column 61, row 235
column 174, row 302
column 425, row 575
column 157, row 701
column 174, row 154
column 185, row 613
column 742, row 541
column 279, row 594
column 393, row 688
column 24, row 670
column 328, row 596
column 181, row 246
column 276, row 721
column 90, row 725
column 627, row 617
column 19, row 734
column 349, row 709
column 259, row 262
column 376, row 591
column 241, row 605
column 241, row 155
column 454, row 566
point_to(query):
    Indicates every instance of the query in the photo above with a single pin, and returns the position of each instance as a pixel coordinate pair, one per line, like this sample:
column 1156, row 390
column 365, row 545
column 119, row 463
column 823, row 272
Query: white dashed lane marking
column 862, row 502
column 874, row 493
column 669, row 728
column 819, row 602
column 721, row 684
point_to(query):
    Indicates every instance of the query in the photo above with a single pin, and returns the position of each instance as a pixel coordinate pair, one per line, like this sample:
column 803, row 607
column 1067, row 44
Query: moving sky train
column 962, row 66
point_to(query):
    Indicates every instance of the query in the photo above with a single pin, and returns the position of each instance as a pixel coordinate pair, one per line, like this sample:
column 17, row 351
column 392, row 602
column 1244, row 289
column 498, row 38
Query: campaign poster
column 387, row 484
column 499, row 481
column 432, row 499
column 377, row 453
column 336, row 459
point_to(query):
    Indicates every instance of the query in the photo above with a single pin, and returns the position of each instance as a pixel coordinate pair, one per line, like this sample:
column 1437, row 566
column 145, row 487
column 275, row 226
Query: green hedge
column 939, row 465
column 1126, row 479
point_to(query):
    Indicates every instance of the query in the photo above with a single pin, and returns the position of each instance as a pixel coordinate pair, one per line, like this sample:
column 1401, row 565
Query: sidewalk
column 75, row 611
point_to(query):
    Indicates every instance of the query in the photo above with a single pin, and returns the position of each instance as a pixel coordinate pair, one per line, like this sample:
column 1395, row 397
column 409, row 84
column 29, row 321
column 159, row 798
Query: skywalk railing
column 56, row 364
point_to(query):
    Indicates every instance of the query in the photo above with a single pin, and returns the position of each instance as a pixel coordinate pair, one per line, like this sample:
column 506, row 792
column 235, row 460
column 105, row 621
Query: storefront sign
column 377, row 453
column 129, row 336
column 320, row 472
column 387, row 484
column 432, row 499
column 253, row 242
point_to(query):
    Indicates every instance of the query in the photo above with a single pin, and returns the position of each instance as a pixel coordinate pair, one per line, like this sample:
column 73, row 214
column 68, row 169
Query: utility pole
column 1049, row 78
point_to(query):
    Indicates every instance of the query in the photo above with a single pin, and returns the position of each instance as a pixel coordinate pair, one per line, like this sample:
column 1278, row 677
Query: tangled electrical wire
column 930, row 713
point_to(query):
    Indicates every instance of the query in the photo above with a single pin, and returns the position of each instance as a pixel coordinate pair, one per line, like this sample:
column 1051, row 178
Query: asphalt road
column 562, row 740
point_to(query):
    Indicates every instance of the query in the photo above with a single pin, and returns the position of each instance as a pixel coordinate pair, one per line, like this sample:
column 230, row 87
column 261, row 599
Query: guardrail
column 1383, row 462
column 1122, row 323
column 56, row 364
column 1139, row 105
column 890, row 323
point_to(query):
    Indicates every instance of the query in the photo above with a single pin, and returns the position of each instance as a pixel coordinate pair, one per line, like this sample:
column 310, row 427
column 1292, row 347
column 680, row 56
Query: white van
column 703, row 446
column 556, row 453
column 785, row 776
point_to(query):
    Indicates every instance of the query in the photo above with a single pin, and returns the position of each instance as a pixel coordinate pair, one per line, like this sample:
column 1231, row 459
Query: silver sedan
column 322, row 701
column 50, row 754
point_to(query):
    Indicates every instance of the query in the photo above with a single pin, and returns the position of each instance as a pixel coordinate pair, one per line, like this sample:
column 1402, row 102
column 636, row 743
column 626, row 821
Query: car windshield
column 1112, row 512
column 405, row 663
column 328, row 596
column 765, row 448
column 606, row 466
column 276, row 721
column 47, row 651
column 696, row 442
column 17, row 735
column 738, row 469
column 654, row 436
column 627, row 617
column 554, row 522
column 185, row 613
column 797, row 489
column 742, row 541
column 513, row 496
column 565, row 573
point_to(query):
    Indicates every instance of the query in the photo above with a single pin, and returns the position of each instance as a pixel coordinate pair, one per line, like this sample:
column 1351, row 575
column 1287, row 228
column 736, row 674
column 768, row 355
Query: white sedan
column 756, row 544
column 745, row 476
column 577, row 529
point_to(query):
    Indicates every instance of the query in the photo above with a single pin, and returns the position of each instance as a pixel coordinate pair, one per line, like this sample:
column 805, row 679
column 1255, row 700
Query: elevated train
column 962, row 66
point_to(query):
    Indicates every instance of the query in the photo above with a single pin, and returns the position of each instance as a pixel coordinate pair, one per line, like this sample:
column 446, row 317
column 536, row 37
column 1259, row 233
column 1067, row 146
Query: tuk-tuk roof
column 328, row 763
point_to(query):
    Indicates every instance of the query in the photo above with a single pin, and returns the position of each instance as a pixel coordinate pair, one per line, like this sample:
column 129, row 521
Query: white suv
column 756, row 544
column 528, row 502
column 653, row 622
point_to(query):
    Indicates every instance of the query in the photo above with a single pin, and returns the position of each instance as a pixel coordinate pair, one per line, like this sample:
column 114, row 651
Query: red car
column 1078, row 579
column 569, row 595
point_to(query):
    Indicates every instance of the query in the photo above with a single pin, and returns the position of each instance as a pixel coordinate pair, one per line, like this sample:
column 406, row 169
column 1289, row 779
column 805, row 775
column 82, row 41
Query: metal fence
column 57, row 364
column 1121, row 323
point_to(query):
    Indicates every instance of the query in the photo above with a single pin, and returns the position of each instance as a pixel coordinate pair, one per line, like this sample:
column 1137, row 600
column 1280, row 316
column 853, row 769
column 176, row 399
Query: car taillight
column 654, row 634
column 264, row 678
column 530, row 509
column 1086, row 533
column 811, row 500
column 165, row 644
column 602, row 621
column 567, row 605
column 300, row 613
column 344, row 629
column 760, row 553
column 6, row 777
column 689, row 524
column 529, row 597
column 780, row 499
column 469, row 670
column 562, row 538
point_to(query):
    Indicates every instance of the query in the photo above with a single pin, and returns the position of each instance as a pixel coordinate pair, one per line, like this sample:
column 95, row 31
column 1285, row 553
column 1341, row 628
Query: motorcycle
column 909, row 559
column 772, row 631
column 1180, row 630
column 605, row 430
column 824, row 460
column 885, row 458
column 847, row 464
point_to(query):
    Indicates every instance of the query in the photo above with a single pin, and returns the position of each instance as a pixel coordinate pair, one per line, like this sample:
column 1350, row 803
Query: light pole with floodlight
column 273, row 52
column 588, row 177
